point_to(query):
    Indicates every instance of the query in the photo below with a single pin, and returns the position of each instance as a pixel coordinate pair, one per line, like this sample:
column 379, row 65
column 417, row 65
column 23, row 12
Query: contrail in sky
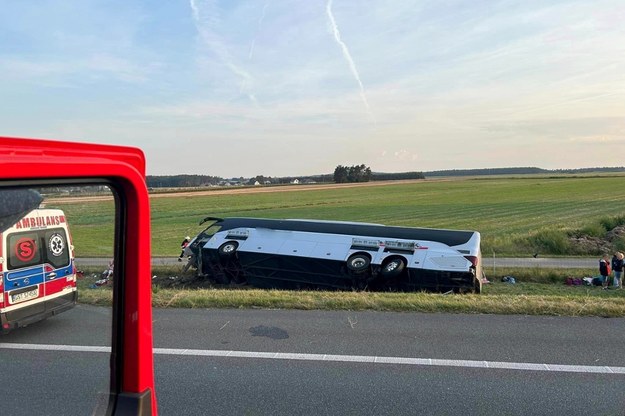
column 348, row 57
column 205, row 23
column 260, row 23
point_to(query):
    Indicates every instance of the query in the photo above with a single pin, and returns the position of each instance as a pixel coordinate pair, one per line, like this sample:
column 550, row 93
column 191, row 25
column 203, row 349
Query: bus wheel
column 228, row 249
column 393, row 267
column 358, row 263
column 477, row 286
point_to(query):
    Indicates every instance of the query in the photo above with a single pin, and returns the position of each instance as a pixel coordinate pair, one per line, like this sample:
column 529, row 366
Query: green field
column 516, row 216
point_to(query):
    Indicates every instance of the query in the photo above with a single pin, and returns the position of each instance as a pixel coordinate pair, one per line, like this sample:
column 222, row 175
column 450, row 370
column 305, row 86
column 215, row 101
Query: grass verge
column 534, row 294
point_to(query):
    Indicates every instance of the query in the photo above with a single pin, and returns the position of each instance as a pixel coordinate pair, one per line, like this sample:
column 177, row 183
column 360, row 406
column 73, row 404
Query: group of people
column 608, row 267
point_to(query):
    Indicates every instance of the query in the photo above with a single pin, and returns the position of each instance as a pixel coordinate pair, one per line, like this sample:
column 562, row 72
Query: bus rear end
column 37, row 271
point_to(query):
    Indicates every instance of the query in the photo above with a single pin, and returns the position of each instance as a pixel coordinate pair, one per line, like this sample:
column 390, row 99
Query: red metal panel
column 125, row 166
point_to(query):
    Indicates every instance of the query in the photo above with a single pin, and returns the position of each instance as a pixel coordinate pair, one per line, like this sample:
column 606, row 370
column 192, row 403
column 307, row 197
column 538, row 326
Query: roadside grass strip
column 584, row 302
column 537, row 292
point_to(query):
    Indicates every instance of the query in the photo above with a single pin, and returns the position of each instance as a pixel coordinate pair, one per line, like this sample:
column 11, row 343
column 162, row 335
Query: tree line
column 346, row 174
column 363, row 173
column 357, row 173
column 343, row 174
column 517, row 171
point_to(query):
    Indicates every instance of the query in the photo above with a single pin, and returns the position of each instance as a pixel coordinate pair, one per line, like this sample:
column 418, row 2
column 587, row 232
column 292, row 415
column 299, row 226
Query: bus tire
column 477, row 286
column 393, row 267
column 228, row 249
column 358, row 263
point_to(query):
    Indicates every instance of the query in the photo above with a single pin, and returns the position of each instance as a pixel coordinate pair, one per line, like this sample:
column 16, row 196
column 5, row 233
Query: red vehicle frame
column 40, row 162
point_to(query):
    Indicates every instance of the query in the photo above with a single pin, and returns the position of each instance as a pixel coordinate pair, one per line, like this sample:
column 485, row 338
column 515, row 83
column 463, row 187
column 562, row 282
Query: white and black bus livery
column 272, row 253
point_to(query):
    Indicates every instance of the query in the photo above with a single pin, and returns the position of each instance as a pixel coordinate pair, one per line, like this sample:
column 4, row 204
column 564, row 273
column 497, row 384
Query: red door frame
column 34, row 160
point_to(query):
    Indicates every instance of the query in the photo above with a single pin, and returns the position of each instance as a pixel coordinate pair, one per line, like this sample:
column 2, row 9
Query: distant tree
column 357, row 173
column 341, row 174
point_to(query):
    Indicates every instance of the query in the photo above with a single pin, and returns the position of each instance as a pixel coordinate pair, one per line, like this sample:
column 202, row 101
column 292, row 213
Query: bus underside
column 292, row 272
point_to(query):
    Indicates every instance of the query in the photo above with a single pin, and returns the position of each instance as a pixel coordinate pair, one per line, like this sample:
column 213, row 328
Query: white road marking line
column 433, row 362
column 54, row 347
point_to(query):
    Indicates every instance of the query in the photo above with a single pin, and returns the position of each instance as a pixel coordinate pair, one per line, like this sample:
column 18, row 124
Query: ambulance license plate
column 24, row 296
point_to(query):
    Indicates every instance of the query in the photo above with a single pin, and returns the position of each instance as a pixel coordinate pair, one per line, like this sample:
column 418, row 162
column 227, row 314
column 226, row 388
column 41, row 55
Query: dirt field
column 238, row 190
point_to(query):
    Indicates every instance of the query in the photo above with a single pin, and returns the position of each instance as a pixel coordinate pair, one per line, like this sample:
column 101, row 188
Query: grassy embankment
column 516, row 217
column 537, row 292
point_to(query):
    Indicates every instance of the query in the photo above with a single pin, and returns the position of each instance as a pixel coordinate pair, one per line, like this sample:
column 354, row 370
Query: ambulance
column 37, row 271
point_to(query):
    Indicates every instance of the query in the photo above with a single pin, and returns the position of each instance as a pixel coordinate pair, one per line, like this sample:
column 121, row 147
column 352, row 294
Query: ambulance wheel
column 358, row 263
column 393, row 267
column 228, row 249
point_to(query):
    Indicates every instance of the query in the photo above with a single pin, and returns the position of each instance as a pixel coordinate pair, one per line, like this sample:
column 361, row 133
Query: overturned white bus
column 304, row 254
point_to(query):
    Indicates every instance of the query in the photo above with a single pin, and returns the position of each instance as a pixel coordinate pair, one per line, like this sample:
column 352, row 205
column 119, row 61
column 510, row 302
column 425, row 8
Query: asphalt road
column 548, row 262
column 270, row 362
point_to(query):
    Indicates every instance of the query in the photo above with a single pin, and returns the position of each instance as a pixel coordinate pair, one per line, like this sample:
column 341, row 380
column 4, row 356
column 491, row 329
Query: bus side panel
column 283, row 271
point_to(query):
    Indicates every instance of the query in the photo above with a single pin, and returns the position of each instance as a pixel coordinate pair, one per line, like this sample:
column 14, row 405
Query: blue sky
column 289, row 87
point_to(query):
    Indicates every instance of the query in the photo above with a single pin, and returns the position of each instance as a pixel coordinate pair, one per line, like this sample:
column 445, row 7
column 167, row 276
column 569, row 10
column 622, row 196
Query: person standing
column 604, row 270
column 617, row 268
column 183, row 245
